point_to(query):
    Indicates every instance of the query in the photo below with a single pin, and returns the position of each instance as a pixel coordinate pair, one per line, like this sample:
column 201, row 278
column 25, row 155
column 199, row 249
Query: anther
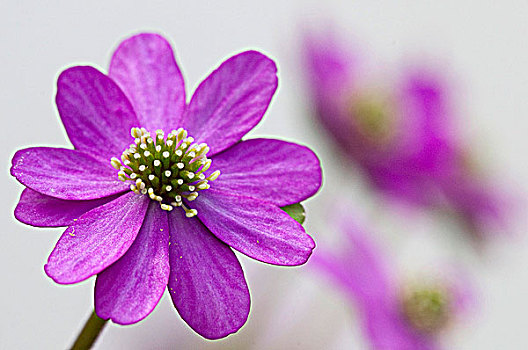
column 115, row 163
column 214, row 175
column 166, row 207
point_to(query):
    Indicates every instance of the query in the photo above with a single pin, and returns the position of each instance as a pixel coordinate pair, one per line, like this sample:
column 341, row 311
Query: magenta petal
column 95, row 112
column 232, row 100
column 387, row 329
column 145, row 68
column 39, row 210
column 272, row 170
column 128, row 291
column 97, row 239
column 65, row 173
column 359, row 267
column 206, row 282
column 254, row 227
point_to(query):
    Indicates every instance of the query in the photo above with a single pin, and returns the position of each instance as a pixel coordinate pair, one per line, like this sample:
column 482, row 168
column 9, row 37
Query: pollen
column 169, row 169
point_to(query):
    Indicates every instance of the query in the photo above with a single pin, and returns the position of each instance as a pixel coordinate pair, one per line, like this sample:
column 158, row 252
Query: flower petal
column 359, row 267
column 273, row 170
column 95, row 112
column 97, row 239
column 128, row 291
column 232, row 100
column 39, row 210
column 206, row 282
column 145, row 68
column 387, row 329
column 65, row 173
column 254, row 227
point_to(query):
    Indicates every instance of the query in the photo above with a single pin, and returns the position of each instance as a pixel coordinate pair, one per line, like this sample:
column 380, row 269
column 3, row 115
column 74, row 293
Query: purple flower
column 163, row 207
column 396, row 314
column 400, row 132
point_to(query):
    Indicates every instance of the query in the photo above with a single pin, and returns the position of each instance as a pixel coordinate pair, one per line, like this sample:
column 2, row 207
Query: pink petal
column 206, row 282
column 97, row 239
column 65, row 173
column 128, row 290
column 95, row 112
column 39, row 210
column 254, row 227
column 273, row 170
column 232, row 100
column 145, row 68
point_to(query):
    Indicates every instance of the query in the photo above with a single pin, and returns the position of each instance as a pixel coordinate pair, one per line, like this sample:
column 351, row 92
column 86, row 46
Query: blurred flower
column 396, row 313
column 401, row 133
column 166, row 223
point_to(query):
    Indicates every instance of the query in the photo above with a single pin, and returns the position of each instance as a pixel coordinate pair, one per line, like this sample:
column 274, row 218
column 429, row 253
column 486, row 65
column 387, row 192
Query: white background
column 484, row 44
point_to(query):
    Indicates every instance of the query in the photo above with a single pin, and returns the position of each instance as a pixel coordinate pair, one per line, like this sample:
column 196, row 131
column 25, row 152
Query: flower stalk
column 91, row 330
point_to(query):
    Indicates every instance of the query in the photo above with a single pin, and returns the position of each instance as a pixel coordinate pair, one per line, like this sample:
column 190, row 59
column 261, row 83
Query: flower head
column 397, row 313
column 400, row 132
column 157, row 191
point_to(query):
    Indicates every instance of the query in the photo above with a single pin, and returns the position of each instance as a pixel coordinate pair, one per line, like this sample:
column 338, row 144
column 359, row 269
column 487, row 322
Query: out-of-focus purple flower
column 400, row 132
column 396, row 313
column 183, row 202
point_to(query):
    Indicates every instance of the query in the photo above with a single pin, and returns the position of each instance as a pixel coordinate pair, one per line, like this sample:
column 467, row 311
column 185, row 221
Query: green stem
column 89, row 333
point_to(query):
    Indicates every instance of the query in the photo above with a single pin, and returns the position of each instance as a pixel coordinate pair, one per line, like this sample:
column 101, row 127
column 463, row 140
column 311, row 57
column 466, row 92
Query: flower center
column 167, row 169
column 426, row 308
column 373, row 116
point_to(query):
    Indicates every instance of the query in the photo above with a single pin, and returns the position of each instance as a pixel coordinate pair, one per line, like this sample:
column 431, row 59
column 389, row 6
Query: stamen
column 115, row 163
column 214, row 175
column 166, row 207
column 169, row 168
